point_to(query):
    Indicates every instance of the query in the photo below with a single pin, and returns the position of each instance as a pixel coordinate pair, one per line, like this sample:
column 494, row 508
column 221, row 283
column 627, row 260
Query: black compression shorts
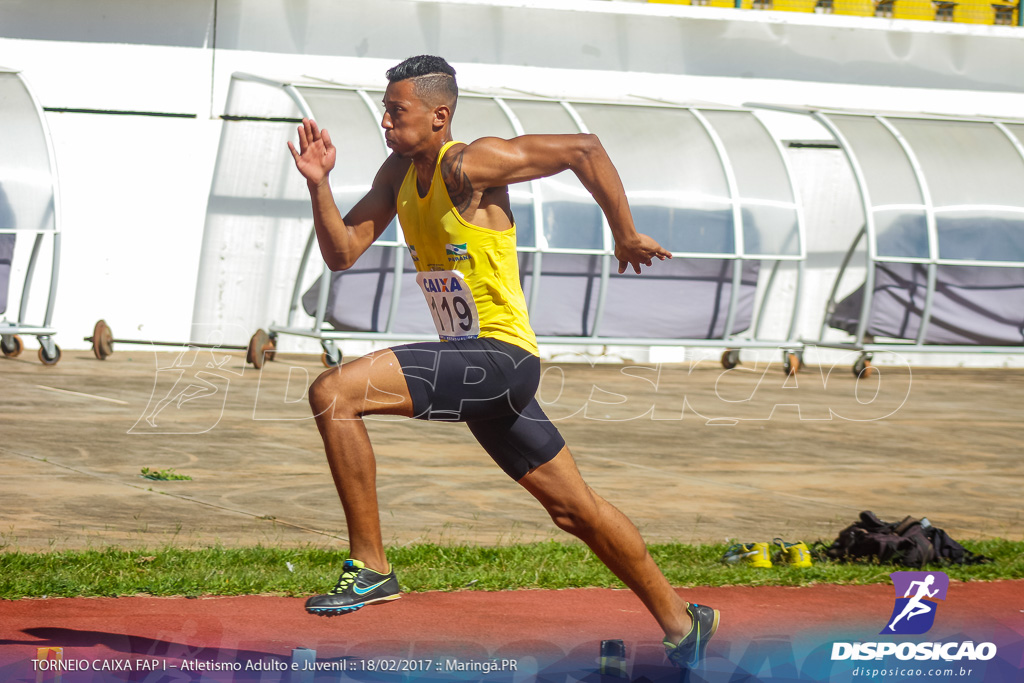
column 489, row 385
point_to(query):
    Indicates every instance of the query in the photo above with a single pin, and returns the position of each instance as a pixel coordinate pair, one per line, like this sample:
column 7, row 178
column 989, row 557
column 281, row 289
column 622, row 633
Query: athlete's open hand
column 316, row 155
column 641, row 251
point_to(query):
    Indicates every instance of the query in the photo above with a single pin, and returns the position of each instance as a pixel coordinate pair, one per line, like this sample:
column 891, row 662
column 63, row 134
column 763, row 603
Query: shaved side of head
column 433, row 79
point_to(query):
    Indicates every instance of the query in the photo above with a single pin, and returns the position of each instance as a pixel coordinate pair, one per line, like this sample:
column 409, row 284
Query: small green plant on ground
column 304, row 571
column 164, row 475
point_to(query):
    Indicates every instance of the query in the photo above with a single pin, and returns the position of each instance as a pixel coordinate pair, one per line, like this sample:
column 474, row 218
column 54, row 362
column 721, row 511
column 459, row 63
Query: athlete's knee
column 325, row 391
column 576, row 516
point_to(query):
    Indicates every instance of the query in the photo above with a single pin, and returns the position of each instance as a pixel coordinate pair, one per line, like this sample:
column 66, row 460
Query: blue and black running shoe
column 688, row 653
column 357, row 587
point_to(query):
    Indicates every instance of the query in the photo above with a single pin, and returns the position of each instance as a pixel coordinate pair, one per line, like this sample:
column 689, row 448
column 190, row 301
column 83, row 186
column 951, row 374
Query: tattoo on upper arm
column 460, row 189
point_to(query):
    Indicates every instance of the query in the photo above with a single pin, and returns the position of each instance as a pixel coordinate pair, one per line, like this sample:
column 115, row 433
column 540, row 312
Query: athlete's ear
column 442, row 116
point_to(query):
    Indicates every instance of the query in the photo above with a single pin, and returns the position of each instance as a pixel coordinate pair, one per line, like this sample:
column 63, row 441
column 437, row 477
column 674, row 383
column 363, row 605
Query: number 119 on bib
column 451, row 304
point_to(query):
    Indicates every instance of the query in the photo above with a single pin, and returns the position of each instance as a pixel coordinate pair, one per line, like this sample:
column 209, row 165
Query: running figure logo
column 916, row 593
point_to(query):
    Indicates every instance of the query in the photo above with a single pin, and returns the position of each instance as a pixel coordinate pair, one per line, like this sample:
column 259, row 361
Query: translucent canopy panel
column 770, row 220
column 258, row 206
column 255, row 176
column 480, row 117
column 672, row 173
column 681, row 168
column 257, row 99
column 948, row 226
column 1017, row 131
column 26, row 177
column 571, row 218
column 975, row 175
column 893, row 190
column 360, row 142
column 966, row 162
column 355, row 119
column 28, row 204
column 675, row 162
column 252, row 180
column 963, row 175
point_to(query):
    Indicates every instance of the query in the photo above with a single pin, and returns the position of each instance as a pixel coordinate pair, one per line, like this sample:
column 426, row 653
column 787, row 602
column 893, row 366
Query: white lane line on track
column 79, row 393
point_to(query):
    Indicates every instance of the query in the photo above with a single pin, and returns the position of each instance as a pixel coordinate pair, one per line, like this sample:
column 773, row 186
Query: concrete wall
column 134, row 186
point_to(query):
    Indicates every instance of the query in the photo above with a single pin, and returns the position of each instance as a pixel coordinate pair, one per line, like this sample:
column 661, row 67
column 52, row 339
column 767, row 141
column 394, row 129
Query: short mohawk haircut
column 435, row 78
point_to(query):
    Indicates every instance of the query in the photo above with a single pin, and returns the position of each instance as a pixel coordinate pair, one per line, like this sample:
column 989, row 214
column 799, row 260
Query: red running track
column 475, row 626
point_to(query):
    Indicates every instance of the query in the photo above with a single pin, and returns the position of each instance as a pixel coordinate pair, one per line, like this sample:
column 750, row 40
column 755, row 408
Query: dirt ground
column 690, row 452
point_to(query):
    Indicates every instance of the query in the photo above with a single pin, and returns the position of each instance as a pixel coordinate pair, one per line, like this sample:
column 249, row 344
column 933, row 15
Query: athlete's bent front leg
column 577, row 509
column 339, row 398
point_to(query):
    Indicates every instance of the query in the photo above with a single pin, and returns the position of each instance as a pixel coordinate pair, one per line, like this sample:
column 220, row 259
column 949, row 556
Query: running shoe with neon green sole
column 357, row 587
column 688, row 653
column 753, row 554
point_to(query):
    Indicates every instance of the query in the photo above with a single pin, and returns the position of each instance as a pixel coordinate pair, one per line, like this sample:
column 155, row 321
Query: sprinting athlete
column 452, row 201
column 916, row 604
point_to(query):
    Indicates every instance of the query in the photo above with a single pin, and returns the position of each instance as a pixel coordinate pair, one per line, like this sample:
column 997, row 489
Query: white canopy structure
column 29, row 215
column 709, row 183
column 943, row 235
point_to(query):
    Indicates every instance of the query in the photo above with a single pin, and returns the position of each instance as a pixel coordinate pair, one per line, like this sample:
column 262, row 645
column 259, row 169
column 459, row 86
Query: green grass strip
column 304, row 571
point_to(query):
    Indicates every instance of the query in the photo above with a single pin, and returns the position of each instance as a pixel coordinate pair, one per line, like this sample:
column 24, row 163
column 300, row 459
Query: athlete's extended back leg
column 577, row 509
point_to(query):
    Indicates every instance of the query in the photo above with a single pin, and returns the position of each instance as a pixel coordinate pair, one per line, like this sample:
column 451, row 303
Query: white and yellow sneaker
column 753, row 554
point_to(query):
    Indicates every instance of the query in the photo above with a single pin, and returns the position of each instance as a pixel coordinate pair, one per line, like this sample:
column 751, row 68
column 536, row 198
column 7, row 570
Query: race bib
column 451, row 304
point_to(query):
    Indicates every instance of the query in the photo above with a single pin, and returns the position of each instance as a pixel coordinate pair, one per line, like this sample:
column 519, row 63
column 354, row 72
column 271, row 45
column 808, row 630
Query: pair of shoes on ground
column 359, row 586
column 760, row 554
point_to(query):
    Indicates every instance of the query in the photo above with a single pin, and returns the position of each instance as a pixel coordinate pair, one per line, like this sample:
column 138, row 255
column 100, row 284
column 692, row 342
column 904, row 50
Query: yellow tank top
column 469, row 274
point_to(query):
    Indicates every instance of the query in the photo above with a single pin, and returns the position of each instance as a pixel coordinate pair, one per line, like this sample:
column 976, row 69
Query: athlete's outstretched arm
column 342, row 240
column 491, row 162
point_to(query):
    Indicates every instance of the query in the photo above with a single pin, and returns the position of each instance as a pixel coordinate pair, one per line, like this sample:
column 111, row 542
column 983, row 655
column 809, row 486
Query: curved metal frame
column 800, row 263
column 737, row 219
column 45, row 331
column 539, row 238
column 327, row 337
column 607, row 243
column 933, row 235
column 869, row 230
